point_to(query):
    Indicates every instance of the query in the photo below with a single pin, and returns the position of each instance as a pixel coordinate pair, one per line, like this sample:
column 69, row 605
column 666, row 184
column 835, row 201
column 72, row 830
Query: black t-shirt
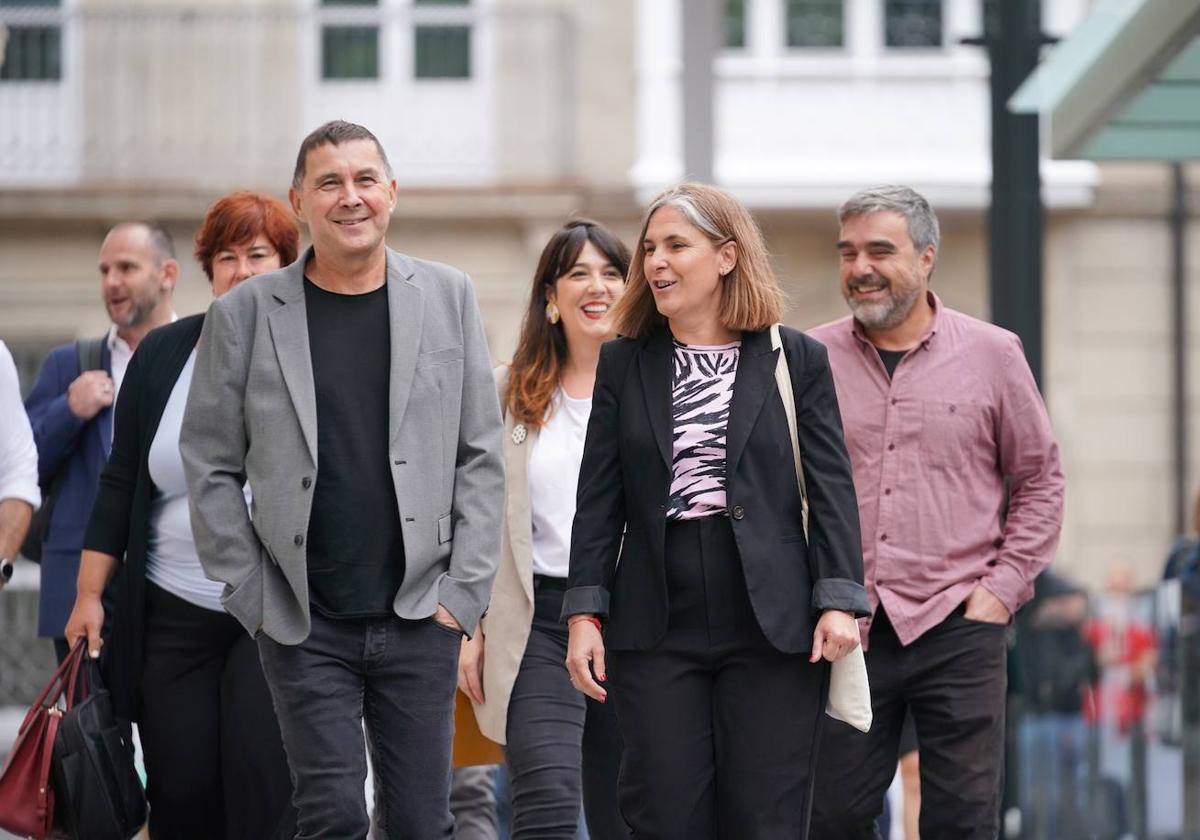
column 890, row 359
column 355, row 545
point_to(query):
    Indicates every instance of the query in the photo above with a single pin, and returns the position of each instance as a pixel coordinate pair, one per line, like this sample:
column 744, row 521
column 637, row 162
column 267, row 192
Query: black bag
column 97, row 792
column 89, row 355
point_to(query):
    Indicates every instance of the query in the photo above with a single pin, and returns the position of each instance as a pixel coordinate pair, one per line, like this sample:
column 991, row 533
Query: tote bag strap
column 783, row 381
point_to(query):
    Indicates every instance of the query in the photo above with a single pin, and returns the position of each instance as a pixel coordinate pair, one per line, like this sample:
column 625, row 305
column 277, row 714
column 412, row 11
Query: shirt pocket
column 947, row 432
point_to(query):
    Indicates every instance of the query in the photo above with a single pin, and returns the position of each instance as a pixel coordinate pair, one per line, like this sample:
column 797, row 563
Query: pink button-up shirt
column 932, row 449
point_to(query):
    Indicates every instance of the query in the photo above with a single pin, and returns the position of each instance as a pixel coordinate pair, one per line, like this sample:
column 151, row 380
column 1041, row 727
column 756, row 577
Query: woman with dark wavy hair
column 177, row 663
column 513, row 668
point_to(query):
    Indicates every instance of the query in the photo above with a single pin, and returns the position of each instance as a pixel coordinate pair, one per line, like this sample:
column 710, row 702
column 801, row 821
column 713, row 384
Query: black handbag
column 97, row 792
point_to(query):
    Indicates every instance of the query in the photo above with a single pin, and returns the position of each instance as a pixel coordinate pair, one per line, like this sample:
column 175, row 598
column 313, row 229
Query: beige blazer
column 510, row 615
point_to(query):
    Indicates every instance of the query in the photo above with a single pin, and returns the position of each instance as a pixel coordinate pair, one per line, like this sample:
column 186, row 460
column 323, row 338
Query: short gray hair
column 923, row 227
column 335, row 133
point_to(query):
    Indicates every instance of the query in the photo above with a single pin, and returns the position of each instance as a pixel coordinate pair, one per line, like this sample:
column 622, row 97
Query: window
column 349, row 45
column 352, row 37
column 33, row 52
column 735, row 24
column 815, row 23
column 350, row 52
column 441, row 50
column 912, row 24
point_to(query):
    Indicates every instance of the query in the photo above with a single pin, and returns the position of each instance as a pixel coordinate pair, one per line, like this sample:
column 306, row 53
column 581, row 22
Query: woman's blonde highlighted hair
column 751, row 299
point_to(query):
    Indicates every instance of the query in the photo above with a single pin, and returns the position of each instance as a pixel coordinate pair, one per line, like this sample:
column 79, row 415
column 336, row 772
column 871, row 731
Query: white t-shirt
column 553, row 476
column 119, row 354
column 171, row 559
column 18, row 454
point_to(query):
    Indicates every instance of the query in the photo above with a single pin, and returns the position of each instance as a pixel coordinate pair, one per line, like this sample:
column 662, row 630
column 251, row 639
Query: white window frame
column 50, row 16
column 397, row 22
column 459, row 15
column 862, row 54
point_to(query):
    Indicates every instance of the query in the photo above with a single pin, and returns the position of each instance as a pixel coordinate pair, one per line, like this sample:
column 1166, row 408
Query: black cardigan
column 120, row 520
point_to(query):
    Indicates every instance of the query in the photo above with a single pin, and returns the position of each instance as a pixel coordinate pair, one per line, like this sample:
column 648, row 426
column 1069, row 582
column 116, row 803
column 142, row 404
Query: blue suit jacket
column 81, row 448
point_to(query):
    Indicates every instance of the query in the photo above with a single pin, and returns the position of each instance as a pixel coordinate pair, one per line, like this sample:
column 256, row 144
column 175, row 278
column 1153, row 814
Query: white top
column 171, row 559
column 18, row 454
column 119, row 356
column 553, row 475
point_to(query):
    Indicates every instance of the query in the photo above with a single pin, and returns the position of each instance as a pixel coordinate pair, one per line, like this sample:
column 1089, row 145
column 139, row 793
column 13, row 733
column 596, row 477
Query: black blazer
column 625, row 478
column 120, row 520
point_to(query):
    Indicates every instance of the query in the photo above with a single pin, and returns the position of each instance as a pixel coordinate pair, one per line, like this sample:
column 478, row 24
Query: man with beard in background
column 70, row 407
column 960, row 502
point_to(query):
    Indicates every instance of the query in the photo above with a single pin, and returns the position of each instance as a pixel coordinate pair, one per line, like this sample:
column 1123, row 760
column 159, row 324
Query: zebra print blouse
column 701, row 390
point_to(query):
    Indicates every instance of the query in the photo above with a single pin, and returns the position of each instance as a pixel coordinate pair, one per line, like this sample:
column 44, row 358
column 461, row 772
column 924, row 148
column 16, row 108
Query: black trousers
column 399, row 678
column 551, row 726
column 215, row 766
column 720, row 728
column 952, row 679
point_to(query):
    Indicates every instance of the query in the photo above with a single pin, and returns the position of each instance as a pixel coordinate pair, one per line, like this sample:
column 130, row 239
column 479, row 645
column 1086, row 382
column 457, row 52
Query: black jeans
column 550, row 725
column 952, row 679
column 214, row 759
column 399, row 676
column 720, row 728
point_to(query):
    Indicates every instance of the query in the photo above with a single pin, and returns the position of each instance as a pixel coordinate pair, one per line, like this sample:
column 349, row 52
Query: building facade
column 502, row 117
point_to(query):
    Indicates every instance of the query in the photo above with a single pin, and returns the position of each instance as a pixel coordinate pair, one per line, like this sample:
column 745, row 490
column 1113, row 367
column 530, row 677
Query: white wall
column 799, row 128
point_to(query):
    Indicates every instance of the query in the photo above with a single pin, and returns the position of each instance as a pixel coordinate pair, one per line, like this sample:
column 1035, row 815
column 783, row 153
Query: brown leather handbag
column 26, row 795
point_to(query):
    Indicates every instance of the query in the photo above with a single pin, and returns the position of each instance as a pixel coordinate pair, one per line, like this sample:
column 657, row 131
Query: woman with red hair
column 176, row 662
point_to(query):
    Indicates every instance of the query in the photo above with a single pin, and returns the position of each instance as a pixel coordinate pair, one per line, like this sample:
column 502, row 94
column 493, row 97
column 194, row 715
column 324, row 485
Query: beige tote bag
column 849, row 691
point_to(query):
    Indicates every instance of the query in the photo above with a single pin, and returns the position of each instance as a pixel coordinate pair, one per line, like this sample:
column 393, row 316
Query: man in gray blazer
column 353, row 391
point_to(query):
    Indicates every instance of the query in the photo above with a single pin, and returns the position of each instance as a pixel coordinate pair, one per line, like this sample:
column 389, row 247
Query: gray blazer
column 251, row 415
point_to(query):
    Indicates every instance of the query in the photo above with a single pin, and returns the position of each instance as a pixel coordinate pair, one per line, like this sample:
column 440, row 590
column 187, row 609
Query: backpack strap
column 89, row 353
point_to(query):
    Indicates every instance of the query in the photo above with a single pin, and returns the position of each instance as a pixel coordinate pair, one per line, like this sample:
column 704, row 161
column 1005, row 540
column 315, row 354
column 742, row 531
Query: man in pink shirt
column 960, row 500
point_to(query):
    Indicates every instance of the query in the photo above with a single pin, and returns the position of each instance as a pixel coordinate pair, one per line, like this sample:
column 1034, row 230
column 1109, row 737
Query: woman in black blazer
column 176, row 663
column 688, row 550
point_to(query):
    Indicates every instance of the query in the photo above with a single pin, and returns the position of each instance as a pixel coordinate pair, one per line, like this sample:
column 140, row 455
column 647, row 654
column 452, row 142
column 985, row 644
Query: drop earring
column 552, row 313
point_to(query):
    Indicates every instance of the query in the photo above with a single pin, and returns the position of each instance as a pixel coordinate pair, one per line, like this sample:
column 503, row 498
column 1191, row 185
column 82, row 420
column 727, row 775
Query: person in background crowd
column 944, row 424
column 473, row 802
column 910, row 780
column 19, row 493
column 1126, row 650
column 1177, row 673
column 1056, row 668
column 179, row 665
column 513, row 669
column 70, row 407
column 353, row 390
column 719, row 613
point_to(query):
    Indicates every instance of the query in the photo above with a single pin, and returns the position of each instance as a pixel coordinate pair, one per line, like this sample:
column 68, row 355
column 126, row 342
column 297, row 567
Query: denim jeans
column 561, row 745
column 400, row 677
column 1054, row 756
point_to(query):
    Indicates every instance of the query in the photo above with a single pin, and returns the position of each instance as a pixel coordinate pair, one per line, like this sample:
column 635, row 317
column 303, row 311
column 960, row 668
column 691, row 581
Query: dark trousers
column 215, row 766
column 399, row 677
column 720, row 728
column 550, row 725
column 952, row 679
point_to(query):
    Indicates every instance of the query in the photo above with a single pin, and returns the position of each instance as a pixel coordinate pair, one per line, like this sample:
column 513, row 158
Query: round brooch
column 519, row 434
